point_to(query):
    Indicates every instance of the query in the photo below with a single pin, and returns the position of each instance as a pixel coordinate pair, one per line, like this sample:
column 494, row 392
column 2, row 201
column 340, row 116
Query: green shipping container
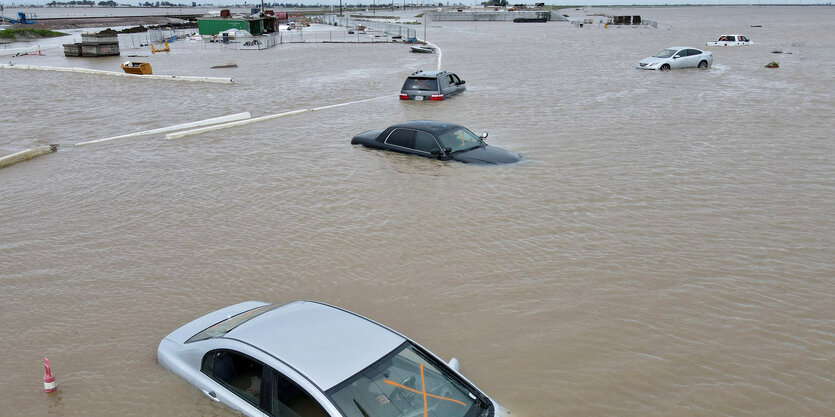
column 215, row 26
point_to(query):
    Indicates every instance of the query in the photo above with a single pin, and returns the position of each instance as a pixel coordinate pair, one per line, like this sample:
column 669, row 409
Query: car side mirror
column 436, row 152
column 483, row 135
column 463, row 82
column 676, row 57
column 455, row 365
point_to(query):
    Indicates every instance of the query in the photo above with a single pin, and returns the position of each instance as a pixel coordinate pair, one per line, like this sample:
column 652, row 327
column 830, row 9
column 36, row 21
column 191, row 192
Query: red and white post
column 48, row 378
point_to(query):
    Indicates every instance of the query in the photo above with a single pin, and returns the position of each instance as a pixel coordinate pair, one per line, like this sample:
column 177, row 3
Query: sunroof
column 225, row 326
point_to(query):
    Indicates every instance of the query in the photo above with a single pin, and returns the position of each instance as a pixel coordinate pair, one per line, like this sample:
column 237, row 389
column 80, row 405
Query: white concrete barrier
column 439, row 50
column 121, row 74
column 26, row 155
column 178, row 135
column 215, row 120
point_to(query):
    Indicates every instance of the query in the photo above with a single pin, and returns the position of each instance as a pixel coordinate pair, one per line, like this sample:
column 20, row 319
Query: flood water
column 666, row 248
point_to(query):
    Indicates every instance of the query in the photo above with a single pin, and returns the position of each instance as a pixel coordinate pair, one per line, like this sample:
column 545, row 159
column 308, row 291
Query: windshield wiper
column 360, row 408
column 467, row 149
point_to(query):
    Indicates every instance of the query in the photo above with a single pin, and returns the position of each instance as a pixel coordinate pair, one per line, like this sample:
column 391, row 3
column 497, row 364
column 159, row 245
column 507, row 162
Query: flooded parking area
column 665, row 247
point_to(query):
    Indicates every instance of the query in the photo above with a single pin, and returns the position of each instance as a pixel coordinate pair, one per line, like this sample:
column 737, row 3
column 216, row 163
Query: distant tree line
column 111, row 3
column 72, row 3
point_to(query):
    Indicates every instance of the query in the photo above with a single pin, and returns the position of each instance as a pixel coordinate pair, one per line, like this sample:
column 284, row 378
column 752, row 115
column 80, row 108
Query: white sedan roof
column 323, row 342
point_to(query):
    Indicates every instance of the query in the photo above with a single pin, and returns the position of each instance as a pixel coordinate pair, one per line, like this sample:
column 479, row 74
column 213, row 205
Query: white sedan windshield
column 405, row 383
column 666, row 53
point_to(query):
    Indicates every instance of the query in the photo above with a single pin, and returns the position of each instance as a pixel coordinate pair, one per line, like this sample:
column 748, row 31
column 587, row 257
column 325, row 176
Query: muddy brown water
column 666, row 248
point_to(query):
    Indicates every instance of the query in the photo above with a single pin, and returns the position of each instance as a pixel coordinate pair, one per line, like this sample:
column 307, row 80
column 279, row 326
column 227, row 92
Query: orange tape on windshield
column 423, row 392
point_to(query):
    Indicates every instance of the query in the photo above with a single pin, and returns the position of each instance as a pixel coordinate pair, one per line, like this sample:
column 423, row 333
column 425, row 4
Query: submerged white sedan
column 731, row 40
column 308, row 359
column 677, row 57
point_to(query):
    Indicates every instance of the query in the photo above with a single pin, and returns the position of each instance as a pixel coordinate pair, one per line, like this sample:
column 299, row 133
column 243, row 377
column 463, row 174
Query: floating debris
column 773, row 64
column 138, row 68
column 226, row 66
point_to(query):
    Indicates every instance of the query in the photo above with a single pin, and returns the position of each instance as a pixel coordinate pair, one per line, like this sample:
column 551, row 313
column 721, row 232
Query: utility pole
column 424, row 25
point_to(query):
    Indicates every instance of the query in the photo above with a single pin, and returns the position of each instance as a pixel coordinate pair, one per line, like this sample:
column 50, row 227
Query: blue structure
column 21, row 18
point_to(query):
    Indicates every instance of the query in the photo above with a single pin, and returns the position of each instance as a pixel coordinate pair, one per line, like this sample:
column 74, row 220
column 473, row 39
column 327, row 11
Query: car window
column 425, row 142
column 423, row 84
column 665, row 53
column 406, row 383
column 239, row 373
column 454, row 79
column 731, row 38
column 401, row 137
column 743, row 39
column 289, row 400
column 459, row 139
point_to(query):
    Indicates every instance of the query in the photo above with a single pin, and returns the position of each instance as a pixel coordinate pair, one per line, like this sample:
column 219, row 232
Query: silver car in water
column 677, row 57
column 309, row 359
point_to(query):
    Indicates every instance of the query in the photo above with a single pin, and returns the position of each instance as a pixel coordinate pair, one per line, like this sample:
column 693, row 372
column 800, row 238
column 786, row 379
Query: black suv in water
column 431, row 85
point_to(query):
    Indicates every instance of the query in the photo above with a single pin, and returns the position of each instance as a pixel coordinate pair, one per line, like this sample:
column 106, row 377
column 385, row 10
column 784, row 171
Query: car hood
column 651, row 60
column 487, row 155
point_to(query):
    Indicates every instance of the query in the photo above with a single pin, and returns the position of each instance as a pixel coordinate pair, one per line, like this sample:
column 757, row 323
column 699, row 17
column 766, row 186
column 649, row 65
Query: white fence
column 302, row 36
column 391, row 29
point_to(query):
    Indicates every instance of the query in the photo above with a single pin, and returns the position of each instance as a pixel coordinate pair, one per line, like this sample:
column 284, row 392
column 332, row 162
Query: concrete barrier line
column 440, row 52
column 26, row 155
column 185, row 133
column 121, row 74
column 346, row 104
column 214, row 120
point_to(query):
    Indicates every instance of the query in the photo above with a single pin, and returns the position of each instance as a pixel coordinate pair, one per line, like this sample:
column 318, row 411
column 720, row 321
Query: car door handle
column 211, row 395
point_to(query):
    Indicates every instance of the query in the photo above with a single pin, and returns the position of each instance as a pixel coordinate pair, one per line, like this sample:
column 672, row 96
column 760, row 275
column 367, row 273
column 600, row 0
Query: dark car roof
column 427, row 125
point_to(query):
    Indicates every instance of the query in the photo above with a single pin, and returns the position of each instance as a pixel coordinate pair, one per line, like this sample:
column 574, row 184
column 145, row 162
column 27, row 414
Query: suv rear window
column 416, row 83
column 226, row 326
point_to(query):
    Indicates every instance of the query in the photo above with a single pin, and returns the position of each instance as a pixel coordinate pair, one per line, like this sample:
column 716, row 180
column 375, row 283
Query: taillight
column 436, row 97
column 404, row 96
